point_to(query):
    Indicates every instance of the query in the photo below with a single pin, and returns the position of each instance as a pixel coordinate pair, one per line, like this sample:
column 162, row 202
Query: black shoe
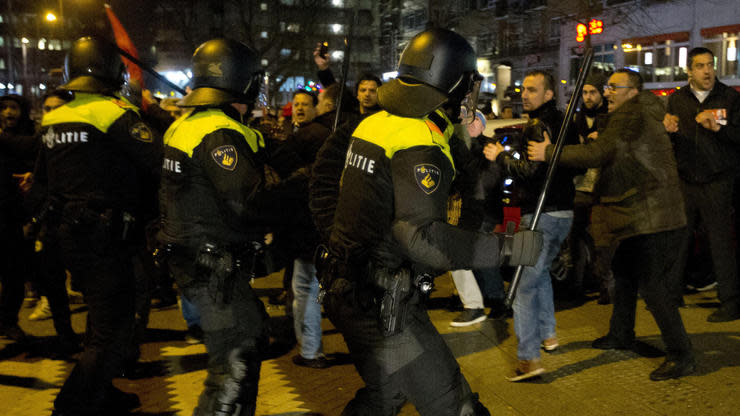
column 725, row 313
column 609, row 342
column 279, row 299
column 121, row 401
column 318, row 362
column 77, row 412
column 469, row 317
column 15, row 333
column 194, row 335
column 673, row 369
column 498, row 309
column 164, row 301
column 65, row 413
column 67, row 345
column 604, row 298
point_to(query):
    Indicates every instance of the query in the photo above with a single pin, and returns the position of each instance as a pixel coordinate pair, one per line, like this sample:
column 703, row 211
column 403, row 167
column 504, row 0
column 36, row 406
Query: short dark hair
column 634, row 77
column 332, row 93
column 549, row 80
column 367, row 76
column 313, row 96
column 697, row 51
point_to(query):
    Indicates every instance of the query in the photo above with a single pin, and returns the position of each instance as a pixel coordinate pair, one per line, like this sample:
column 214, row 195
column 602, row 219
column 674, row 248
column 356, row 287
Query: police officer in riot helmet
column 389, row 234
column 95, row 153
column 214, row 212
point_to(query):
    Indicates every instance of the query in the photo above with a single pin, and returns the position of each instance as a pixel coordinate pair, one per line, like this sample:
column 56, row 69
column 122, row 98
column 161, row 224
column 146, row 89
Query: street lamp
column 24, row 47
column 51, row 17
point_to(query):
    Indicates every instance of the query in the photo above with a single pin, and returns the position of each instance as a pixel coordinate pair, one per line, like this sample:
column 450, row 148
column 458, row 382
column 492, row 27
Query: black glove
column 521, row 248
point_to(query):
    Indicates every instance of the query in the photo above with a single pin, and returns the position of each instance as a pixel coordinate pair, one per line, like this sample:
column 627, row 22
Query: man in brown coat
column 641, row 206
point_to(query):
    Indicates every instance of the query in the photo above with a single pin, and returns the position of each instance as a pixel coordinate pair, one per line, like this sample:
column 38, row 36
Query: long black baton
column 559, row 143
column 345, row 67
column 151, row 71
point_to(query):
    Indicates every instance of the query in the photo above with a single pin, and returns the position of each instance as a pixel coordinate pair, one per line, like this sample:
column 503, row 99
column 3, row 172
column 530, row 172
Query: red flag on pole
column 124, row 42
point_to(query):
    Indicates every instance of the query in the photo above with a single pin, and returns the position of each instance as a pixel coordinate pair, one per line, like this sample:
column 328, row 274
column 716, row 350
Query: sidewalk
column 579, row 380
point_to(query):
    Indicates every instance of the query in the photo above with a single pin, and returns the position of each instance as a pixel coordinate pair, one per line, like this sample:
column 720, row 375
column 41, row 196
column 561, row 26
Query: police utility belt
column 396, row 287
column 219, row 265
column 90, row 217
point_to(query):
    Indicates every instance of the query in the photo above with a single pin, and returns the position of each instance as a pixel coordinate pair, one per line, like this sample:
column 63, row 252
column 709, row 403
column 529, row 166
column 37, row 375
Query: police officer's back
column 215, row 208
column 389, row 234
column 95, row 152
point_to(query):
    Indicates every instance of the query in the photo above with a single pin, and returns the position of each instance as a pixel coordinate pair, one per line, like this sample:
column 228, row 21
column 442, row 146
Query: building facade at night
column 656, row 39
column 513, row 37
column 284, row 33
column 32, row 45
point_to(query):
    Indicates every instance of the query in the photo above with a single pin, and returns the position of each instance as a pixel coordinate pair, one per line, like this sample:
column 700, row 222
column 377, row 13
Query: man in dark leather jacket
column 641, row 207
column 704, row 121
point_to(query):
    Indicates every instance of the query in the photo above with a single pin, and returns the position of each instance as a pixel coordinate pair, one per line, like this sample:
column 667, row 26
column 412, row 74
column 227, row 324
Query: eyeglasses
column 613, row 88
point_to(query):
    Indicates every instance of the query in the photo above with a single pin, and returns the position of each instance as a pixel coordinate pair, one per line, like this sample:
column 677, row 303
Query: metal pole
column 345, row 66
column 25, row 84
column 62, row 22
column 559, row 143
column 151, row 71
column 9, row 45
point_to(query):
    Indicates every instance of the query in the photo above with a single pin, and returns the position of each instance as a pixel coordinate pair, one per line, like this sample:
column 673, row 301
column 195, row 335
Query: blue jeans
column 189, row 311
column 534, row 309
column 306, row 310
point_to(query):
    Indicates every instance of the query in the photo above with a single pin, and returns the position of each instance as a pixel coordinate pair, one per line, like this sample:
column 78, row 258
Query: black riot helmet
column 224, row 71
column 92, row 65
column 437, row 65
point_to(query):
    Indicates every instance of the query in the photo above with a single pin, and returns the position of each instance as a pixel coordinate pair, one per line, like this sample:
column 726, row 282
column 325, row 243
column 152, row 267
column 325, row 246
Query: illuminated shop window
column 725, row 49
column 657, row 61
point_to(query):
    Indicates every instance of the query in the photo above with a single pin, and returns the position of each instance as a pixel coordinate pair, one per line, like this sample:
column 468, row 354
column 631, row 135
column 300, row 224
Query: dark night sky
column 137, row 16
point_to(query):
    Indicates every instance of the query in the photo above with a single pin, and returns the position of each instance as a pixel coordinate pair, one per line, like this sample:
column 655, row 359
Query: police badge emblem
column 427, row 177
column 141, row 132
column 214, row 70
column 225, row 156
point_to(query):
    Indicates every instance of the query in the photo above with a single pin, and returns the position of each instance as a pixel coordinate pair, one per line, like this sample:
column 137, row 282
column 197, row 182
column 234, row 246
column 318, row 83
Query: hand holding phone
column 321, row 55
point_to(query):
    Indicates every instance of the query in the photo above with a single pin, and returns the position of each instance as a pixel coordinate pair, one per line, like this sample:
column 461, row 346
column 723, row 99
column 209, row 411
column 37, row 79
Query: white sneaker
column 469, row 317
column 706, row 287
column 41, row 311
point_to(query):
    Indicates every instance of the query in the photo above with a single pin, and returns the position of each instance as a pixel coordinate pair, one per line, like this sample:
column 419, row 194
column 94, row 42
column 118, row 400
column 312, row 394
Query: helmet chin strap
column 452, row 110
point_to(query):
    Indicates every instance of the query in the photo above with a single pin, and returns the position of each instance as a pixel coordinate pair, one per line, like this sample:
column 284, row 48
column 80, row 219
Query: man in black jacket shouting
column 703, row 120
column 534, row 310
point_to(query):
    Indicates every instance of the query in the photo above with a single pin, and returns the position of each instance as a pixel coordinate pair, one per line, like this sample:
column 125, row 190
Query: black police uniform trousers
column 12, row 274
column 101, row 263
column 415, row 364
column 234, row 336
column 52, row 284
column 643, row 263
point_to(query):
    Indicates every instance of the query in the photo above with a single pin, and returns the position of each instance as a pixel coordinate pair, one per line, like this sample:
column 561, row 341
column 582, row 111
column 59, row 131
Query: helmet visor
column 467, row 112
